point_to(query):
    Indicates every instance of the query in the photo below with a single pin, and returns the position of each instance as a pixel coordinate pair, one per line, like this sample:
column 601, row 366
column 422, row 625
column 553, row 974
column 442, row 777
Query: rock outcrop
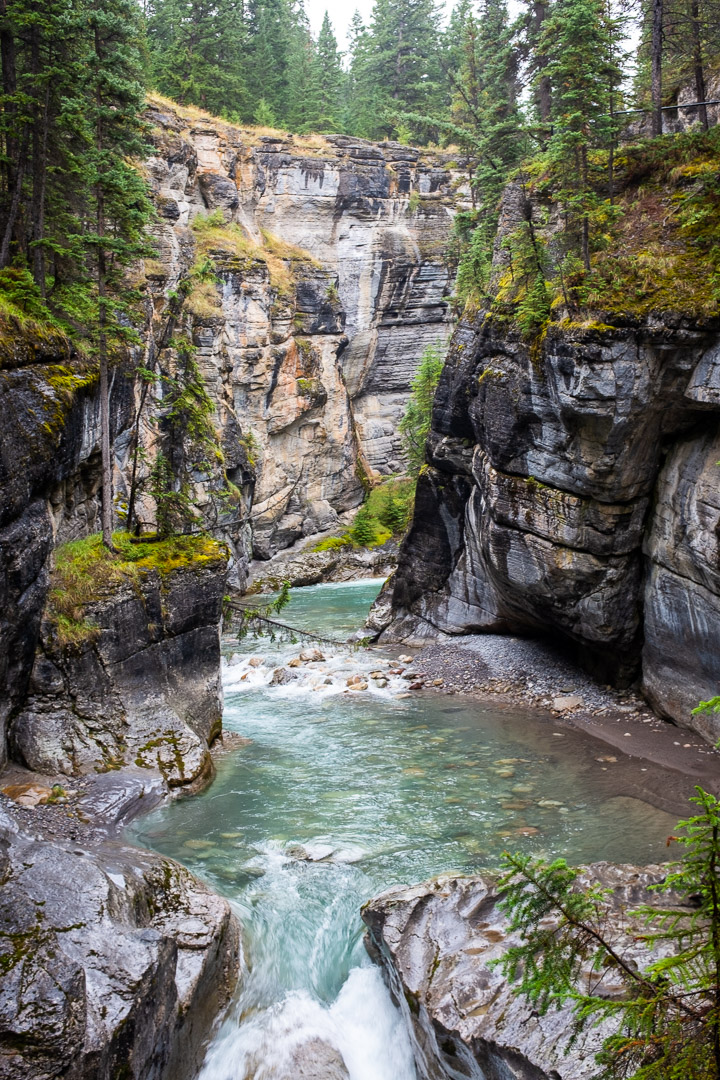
column 309, row 368
column 572, row 490
column 436, row 943
column 142, row 685
column 115, row 961
column 49, row 490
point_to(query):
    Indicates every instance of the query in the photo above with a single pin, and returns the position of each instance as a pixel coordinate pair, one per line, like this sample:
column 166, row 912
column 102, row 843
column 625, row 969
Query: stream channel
column 340, row 794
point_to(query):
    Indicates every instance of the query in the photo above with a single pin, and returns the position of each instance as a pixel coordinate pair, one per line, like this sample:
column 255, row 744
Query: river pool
column 340, row 794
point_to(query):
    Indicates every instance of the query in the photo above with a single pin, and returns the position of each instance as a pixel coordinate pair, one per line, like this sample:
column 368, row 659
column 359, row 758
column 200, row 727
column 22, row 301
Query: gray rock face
column 114, row 962
column 575, row 493
column 436, row 942
column 144, row 686
column 316, row 380
column 49, row 480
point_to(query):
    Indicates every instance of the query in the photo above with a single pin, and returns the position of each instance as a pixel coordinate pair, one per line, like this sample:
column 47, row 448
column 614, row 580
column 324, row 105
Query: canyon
column 570, row 492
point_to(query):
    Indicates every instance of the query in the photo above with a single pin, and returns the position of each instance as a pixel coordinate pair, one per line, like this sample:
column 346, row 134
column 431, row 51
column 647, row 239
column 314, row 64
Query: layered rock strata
column 142, row 686
column 437, row 942
column 115, row 961
column 309, row 378
column 571, row 490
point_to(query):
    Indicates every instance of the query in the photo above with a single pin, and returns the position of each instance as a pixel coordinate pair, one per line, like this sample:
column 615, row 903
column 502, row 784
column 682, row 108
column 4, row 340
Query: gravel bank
column 535, row 674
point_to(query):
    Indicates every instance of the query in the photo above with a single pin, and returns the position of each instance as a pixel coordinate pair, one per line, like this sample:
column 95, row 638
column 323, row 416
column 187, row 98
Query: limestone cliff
column 307, row 338
column 572, row 477
column 310, row 369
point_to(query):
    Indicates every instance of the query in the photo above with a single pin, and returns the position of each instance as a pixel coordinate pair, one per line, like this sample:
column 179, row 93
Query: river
column 340, row 794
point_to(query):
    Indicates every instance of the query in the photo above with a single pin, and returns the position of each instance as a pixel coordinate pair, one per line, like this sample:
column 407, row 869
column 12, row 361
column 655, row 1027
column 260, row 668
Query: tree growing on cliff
column 582, row 45
column 119, row 208
column 666, row 1020
column 415, row 424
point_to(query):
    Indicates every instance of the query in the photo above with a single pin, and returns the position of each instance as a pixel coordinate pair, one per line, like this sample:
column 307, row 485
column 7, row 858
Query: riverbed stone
column 314, row 1059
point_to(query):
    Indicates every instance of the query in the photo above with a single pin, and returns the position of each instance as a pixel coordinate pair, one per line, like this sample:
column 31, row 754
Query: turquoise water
column 342, row 793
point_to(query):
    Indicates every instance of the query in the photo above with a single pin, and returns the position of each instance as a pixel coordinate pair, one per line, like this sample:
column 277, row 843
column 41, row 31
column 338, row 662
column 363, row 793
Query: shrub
column 415, row 424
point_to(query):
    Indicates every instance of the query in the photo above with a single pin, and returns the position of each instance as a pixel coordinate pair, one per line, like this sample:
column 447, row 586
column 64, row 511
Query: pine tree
column 363, row 96
column 490, row 126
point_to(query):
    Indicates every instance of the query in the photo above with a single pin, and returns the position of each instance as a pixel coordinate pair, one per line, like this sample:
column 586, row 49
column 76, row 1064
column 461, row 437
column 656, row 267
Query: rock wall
column 142, row 687
column 115, row 962
column 436, row 943
column 49, row 490
column 572, row 490
column 315, row 379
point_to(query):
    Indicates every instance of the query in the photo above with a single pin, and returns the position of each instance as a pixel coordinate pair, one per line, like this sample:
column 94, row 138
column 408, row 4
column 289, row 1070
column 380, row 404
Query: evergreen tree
column 330, row 80
column 363, row 96
column 582, row 44
column 270, row 29
column 415, row 424
column 400, row 70
column 488, row 124
column 667, row 1018
column 119, row 206
column 196, row 51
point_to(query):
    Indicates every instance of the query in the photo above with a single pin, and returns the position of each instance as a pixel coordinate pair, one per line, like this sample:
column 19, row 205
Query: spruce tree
column 119, row 207
column 401, row 61
column 196, row 49
column 330, row 79
column 582, row 44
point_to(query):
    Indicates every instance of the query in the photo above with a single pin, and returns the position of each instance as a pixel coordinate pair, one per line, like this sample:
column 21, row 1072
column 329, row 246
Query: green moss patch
column 85, row 571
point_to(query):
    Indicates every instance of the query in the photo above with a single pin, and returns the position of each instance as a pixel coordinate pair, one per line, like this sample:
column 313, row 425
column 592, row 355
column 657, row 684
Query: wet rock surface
column 574, row 494
column 115, row 961
column 143, row 687
column 435, row 943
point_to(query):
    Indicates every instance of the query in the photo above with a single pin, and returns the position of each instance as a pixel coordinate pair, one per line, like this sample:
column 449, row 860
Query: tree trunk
column 15, row 203
column 107, row 472
column 107, row 476
column 698, row 61
column 9, row 82
column 656, row 66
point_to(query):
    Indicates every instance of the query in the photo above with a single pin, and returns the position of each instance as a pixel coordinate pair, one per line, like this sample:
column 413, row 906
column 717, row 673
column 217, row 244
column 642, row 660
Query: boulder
column 143, row 686
column 437, row 942
column 115, row 962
